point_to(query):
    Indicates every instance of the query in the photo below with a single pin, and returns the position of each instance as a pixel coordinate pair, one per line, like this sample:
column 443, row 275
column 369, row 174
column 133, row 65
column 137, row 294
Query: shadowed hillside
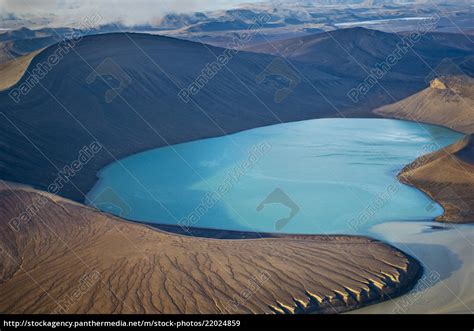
column 19, row 42
column 72, row 106
column 354, row 52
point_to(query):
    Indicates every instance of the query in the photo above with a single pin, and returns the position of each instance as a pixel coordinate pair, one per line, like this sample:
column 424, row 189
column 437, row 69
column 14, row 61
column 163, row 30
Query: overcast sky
column 126, row 11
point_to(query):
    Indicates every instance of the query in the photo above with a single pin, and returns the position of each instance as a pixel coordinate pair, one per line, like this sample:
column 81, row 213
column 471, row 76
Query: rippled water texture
column 316, row 176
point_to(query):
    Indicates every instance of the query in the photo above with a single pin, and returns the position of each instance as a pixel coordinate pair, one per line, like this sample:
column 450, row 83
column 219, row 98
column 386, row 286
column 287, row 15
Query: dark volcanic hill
column 71, row 107
column 354, row 52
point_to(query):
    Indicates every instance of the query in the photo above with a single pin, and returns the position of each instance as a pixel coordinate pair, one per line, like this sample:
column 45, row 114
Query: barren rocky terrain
column 66, row 257
column 447, row 175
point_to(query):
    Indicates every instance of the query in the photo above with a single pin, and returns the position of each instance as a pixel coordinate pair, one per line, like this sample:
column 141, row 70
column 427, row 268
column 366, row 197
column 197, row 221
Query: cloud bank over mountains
column 62, row 12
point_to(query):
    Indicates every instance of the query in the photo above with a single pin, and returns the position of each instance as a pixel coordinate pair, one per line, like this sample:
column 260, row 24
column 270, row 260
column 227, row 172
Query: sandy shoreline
column 446, row 253
column 142, row 270
column 447, row 179
column 157, row 272
column 384, row 273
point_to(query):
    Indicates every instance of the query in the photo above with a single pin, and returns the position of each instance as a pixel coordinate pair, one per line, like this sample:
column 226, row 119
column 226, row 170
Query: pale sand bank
column 447, row 254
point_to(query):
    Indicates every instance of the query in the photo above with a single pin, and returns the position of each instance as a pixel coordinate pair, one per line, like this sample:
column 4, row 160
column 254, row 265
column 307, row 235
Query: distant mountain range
column 355, row 52
column 285, row 20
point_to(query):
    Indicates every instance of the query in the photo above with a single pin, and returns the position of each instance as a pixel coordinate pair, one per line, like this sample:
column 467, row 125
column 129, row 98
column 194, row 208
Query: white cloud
column 63, row 12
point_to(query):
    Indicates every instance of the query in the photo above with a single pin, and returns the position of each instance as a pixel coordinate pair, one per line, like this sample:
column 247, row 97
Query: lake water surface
column 315, row 176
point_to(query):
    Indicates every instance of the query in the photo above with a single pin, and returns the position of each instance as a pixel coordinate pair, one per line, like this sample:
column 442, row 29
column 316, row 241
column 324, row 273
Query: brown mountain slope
column 449, row 101
column 11, row 49
column 70, row 258
column 447, row 176
column 13, row 70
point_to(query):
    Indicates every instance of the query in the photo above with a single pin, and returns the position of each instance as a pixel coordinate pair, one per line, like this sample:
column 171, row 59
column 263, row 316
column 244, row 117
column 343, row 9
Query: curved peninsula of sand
column 64, row 257
column 447, row 178
column 446, row 175
column 60, row 256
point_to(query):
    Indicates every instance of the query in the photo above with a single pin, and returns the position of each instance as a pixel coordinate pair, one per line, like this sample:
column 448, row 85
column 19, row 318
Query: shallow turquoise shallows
column 316, row 176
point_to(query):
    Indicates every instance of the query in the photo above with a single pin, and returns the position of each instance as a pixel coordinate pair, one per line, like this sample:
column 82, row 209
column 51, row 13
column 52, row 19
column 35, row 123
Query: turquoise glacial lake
column 315, row 176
